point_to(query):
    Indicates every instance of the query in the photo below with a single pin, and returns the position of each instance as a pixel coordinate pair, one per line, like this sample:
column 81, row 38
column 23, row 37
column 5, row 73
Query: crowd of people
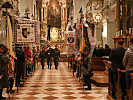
column 48, row 55
column 23, row 59
column 100, row 51
column 119, row 58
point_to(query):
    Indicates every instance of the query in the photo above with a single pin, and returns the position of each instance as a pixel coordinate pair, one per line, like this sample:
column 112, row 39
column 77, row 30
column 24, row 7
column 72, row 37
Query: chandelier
column 93, row 11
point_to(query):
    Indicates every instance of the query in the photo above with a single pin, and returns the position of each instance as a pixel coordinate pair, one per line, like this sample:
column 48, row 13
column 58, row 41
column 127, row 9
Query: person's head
column 49, row 46
column 106, row 46
column 55, row 46
column 120, row 43
column 43, row 48
column 2, row 48
column 86, row 50
column 131, row 41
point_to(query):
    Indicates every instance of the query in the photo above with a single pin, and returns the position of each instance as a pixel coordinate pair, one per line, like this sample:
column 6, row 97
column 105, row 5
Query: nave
column 56, row 85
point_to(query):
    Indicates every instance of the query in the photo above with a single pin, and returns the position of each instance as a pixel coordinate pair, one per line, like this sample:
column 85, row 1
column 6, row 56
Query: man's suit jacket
column 116, row 57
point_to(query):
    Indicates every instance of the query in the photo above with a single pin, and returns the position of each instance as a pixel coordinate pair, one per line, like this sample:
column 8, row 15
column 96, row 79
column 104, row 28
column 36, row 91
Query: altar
column 55, row 17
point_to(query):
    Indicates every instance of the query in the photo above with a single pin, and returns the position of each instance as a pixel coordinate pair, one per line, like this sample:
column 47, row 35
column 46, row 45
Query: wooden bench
column 98, row 64
column 121, row 77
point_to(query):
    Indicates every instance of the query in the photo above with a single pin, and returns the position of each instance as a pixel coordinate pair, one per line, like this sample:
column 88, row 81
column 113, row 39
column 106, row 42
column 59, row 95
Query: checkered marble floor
column 56, row 85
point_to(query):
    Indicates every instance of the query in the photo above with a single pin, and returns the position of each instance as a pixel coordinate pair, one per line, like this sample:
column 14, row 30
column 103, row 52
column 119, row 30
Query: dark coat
column 56, row 53
column 49, row 54
column 4, row 60
column 107, row 51
column 20, row 60
column 116, row 58
column 86, row 64
column 42, row 55
column 99, row 52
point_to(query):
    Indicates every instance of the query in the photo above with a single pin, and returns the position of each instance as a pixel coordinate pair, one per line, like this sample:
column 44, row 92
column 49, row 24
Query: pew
column 120, row 85
column 130, row 92
column 98, row 64
column 107, row 64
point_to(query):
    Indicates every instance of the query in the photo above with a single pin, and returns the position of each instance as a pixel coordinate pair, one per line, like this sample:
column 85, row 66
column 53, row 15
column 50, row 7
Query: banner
column 26, row 32
column 9, row 47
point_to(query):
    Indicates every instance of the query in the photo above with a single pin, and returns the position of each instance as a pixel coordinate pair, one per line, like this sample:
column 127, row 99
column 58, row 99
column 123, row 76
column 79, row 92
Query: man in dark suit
column 56, row 55
column 116, row 58
column 20, row 65
column 4, row 61
column 42, row 56
column 49, row 57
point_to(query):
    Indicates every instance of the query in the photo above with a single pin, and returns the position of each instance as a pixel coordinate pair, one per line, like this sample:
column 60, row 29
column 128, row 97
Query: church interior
column 66, row 49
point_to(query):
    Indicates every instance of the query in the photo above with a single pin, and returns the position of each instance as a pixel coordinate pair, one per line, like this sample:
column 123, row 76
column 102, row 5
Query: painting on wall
column 54, row 14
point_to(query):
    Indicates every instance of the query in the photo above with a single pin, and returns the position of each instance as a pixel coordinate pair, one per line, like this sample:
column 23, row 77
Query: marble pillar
column 117, row 16
column 124, row 16
column 110, row 33
column 107, row 34
column 41, row 18
column 66, row 16
column 98, row 34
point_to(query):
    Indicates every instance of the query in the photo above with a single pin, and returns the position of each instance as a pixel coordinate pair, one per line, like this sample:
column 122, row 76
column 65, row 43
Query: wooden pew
column 98, row 64
column 118, row 84
column 107, row 65
column 109, row 84
column 130, row 92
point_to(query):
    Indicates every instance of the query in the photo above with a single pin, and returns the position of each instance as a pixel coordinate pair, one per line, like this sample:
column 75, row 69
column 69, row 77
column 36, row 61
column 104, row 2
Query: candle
column 129, row 30
column 132, row 30
column 121, row 33
column 126, row 32
column 118, row 33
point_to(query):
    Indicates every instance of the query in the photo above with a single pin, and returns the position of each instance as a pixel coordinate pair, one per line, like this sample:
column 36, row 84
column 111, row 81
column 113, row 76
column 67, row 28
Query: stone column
column 66, row 15
column 98, row 34
column 41, row 16
column 124, row 16
column 110, row 35
column 117, row 16
column 38, row 13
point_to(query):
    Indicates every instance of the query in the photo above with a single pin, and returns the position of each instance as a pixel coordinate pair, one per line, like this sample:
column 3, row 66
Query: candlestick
column 129, row 30
column 132, row 31
column 121, row 33
column 116, row 34
column 126, row 32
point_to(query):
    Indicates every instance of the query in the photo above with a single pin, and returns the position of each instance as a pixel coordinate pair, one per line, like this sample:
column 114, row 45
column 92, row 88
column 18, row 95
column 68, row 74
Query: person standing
column 86, row 68
column 19, row 66
column 56, row 55
column 42, row 56
column 128, row 63
column 4, row 61
column 49, row 57
column 116, row 57
column 107, row 50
